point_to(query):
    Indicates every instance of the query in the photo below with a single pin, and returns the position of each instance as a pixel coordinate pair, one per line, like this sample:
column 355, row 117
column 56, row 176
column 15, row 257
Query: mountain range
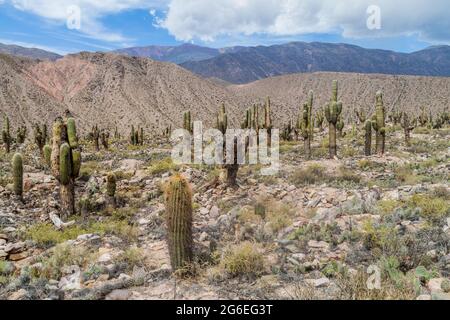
column 116, row 90
column 240, row 65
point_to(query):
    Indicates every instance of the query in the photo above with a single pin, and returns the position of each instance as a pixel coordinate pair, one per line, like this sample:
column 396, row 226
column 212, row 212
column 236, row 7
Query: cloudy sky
column 65, row 26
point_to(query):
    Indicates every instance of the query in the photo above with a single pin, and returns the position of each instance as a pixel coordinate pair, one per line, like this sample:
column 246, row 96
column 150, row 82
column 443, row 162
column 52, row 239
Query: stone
column 440, row 296
column 204, row 211
column 2, row 242
column 19, row 256
column 119, row 295
column 214, row 212
column 71, row 282
column 15, row 247
column 3, row 254
column 424, row 297
column 203, row 237
column 434, row 285
column 105, row 258
column 318, row 244
column 322, row 282
column 143, row 221
column 299, row 257
column 19, row 295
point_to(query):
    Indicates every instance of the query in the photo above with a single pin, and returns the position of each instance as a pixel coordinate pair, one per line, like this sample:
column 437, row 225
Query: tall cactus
column 40, row 136
column 340, row 127
column 21, row 134
column 66, row 162
column 187, row 122
column 95, row 134
column 361, row 115
column 6, row 135
column 104, row 138
column 232, row 168
column 17, row 169
column 368, row 138
column 47, row 155
column 332, row 112
column 379, row 124
column 305, row 124
column 268, row 121
column 178, row 202
column 222, row 120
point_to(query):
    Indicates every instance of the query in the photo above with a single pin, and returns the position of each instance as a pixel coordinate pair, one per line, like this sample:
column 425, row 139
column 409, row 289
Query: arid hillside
column 110, row 90
column 107, row 89
column 355, row 90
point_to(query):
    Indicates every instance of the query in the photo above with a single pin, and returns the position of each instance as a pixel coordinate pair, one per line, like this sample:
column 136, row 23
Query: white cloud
column 91, row 13
column 209, row 19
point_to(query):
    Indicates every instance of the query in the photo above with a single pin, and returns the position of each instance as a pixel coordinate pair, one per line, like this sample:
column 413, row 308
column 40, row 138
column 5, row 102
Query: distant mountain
column 175, row 54
column 32, row 53
column 249, row 64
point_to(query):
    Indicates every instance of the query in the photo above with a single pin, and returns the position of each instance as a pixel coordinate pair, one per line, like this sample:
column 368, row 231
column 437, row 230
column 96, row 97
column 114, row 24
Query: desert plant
column 368, row 138
column 340, row 127
column 111, row 188
column 47, row 150
column 231, row 168
column 332, row 112
column 95, row 135
column 104, row 138
column 268, row 121
column 305, row 124
column 66, row 162
column 178, row 201
column 17, row 169
column 187, row 122
column 320, row 116
column 6, row 135
column 361, row 115
column 407, row 128
column 379, row 125
column 40, row 136
column 21, row 134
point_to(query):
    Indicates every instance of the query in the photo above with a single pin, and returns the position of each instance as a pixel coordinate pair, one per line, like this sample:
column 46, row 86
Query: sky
column 68, row 26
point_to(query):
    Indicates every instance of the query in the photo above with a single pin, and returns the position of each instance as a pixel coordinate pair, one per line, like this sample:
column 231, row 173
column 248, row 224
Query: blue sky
column 405, row 26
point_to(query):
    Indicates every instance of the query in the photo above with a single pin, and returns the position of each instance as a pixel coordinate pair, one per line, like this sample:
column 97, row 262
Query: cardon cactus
column 361, row 115
column 47, row 155
column 187, row 122
column 21, row 134
column 111, row 183
column 305, row 124
column 66, row 162
column 320, row 117
column 104, row 138
column 222, row 120
column 268, row 121
column 332, row 112
column 178, row 202
column 95, row 135
column 17, row 170
column 379, row 125
column 232, row 168
column 340, row 127
column 6, row 135
column 407, row 128
column 40, row 136
column 368, row 138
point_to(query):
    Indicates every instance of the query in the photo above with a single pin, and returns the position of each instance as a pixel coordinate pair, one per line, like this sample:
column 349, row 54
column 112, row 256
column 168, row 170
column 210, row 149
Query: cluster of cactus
column 17, row 170
column 379, row 124
column 320, row 117
column 305, row 124
column 187, row 122
column 167, row 131
column 287, row 131
column 333, row 111
column 40, row 136
column 423, row 118
column 137, row 136
column 395, row 117
column 21, row 134
column 6, row 135
column 66, row 162
column 407, row 126
column 178, row 203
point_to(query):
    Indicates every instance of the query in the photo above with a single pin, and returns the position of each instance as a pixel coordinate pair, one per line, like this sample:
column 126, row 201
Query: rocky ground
column 320, row 229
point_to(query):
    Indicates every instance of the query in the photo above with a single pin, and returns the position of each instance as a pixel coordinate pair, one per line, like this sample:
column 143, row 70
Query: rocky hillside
column 254, row 63
column 32, row 53
column 107, row 89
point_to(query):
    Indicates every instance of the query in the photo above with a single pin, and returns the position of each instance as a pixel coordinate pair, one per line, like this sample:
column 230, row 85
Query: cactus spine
column 332, row 112
column 368, row 140
column 17, row 168
column 305, row 124
column 66, row 162
column 178, row 201
column 379, row 125
column 6, row 136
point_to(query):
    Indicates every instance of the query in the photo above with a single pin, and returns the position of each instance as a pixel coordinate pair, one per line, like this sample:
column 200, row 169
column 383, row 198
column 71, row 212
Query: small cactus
column 111, row 183
column 407, row 128
column 361, row 115
column 6, row 136
column 17, row 169
column 368, row 138
column 40, row 136
column 95, row 136
column 187, row 122
column 178, row 202
column 332, row 112
column 379, row 125
column 305, row 124
column 21, row 134
column 104, row 138
column 47, row 155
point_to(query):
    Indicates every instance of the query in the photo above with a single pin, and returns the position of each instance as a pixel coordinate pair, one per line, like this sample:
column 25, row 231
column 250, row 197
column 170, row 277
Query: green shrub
column 243, row 260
